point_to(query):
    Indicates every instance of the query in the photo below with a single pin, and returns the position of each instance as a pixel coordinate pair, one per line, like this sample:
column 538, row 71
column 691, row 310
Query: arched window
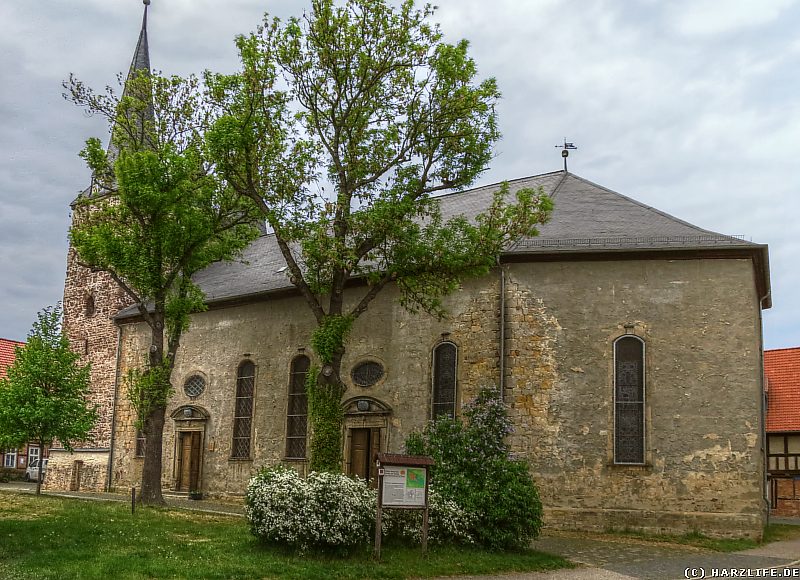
column 629, row 431
column 297, row 409
column 243, row 410
column 444, row 380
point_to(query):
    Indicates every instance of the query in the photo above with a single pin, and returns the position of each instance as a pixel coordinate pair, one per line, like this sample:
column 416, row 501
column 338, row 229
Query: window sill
column 240, row 459
column 631, row 466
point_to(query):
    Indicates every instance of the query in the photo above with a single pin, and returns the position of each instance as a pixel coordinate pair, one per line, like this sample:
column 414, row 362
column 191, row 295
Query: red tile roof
column 782, row 367
column 7, row 355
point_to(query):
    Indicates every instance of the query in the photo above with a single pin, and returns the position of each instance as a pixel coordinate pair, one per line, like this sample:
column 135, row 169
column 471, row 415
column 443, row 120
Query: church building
column 626, row 343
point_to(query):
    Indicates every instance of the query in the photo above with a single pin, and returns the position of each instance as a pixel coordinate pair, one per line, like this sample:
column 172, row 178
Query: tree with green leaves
column 340, row 127
column 156, row 215
column 45, row 394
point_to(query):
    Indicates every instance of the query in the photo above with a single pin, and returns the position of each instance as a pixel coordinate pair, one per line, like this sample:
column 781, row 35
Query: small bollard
column 133, row 500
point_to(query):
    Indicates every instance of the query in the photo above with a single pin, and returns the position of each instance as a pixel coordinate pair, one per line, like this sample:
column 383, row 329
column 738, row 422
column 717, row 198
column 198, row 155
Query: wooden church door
column 364, row 445
column 188, row 461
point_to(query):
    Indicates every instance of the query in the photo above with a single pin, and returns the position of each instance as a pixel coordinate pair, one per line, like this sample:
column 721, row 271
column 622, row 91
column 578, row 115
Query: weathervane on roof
column 565, row 151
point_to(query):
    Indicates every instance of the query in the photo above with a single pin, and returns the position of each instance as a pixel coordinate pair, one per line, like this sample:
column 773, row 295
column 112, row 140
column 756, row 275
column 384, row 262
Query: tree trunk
column 151, row 470
column 153, row 425
column 327, row 418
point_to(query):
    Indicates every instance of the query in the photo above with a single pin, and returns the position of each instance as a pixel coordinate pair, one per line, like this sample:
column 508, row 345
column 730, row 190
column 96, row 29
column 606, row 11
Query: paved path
column 173, row 500
column 610, row 558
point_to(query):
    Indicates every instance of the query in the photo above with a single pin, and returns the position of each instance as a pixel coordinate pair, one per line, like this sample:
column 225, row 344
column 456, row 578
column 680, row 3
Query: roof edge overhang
column 758, row 253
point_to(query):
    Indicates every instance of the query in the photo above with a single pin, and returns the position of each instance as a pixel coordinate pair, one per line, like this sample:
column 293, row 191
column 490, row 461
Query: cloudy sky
column 692, row 107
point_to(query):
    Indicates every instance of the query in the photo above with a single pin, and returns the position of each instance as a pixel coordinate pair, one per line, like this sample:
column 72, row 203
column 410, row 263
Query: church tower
column 91, row 300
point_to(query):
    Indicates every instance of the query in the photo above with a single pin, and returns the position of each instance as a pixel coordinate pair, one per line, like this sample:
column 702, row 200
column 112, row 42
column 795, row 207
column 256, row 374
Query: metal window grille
column 194, row 386
column 629, row 411
column 444, row 380
column 297, row 409
column 140, row 441
column 367, row 373
column 243, row 410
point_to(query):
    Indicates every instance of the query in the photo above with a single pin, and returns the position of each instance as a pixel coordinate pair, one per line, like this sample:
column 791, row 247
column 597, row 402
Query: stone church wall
column 699, row 320
column 271, row 334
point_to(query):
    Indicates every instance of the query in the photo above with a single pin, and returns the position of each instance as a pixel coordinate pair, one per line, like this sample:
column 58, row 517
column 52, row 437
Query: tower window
column 140, row 440
column 89, row 307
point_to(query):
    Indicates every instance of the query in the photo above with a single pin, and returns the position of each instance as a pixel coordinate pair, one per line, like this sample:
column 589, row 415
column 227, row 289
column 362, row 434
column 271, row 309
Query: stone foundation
column 715, row 525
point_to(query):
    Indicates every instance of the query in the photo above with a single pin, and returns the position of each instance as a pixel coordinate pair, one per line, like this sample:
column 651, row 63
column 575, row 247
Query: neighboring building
column 782, row 367
column 627, row 344
column 8, row 354
column 22, row 457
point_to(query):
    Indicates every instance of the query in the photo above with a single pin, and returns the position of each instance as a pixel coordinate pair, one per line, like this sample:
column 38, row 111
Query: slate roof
column 587, row 218
column 7, row 354
column 782, row 367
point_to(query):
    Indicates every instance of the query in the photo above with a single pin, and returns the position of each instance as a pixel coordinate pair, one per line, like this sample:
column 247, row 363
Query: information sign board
column 404, row 486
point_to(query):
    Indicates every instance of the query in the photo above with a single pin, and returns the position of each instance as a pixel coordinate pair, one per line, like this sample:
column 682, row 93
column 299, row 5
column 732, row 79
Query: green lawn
column 52, row 537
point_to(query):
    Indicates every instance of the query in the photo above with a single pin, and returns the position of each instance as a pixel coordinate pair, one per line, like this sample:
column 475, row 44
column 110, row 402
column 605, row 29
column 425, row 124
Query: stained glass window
column 629, row 409
column 243, row 410
column 444, row 380
column 297, row 411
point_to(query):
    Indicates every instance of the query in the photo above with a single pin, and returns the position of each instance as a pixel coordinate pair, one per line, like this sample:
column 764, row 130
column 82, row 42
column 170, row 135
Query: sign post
column 403, row 482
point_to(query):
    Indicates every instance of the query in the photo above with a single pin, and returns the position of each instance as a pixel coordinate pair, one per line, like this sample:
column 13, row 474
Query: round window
column 367, row 373
column 194, row 386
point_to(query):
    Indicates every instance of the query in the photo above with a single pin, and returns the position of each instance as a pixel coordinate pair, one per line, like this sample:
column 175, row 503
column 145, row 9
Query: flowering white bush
column 324, row 510
column 447, row 522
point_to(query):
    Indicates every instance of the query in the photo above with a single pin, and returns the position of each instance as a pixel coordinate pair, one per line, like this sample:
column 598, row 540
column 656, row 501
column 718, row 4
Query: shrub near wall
column 474, row 469
column 323, row 511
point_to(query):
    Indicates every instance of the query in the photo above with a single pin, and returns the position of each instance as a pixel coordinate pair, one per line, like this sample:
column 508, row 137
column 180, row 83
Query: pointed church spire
column 140, row 64
column 141, row 57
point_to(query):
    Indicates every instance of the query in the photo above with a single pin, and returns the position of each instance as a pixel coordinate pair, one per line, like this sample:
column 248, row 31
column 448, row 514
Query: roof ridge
column 655, row 210
column 488, row 185
column 559, row 184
